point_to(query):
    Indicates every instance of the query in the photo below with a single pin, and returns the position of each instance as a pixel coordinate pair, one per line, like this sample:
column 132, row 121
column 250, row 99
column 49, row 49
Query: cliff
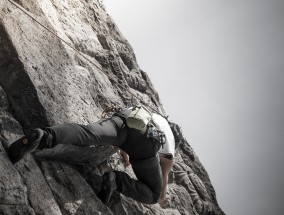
column 67, row 67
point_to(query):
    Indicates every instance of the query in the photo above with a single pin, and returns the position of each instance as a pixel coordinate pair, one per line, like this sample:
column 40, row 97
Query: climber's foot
column 108, row 186
column 24, row 145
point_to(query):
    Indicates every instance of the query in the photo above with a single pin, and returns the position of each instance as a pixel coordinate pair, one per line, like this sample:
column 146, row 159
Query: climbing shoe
column 24, row 145
column 108, row 186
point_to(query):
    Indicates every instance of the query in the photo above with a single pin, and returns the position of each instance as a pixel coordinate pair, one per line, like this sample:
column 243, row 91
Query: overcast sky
column 218, row 66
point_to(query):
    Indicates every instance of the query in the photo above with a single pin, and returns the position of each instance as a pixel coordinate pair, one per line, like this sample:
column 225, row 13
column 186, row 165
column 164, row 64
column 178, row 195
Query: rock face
column 44, row 82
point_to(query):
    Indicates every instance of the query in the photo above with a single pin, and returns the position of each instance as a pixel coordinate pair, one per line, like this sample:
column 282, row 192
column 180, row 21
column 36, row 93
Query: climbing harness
column 82, row 55
column 158, row 137
column 139, row 118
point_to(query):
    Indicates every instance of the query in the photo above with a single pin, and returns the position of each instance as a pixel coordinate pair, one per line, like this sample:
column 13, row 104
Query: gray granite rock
column 44, row 82
column 16, row 210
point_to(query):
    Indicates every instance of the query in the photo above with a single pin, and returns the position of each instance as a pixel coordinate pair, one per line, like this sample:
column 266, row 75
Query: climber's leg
column 104, row 132
column 147, row 188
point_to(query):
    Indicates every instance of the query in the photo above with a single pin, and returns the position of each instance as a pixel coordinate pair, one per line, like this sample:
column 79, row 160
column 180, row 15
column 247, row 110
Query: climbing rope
column 82, row 55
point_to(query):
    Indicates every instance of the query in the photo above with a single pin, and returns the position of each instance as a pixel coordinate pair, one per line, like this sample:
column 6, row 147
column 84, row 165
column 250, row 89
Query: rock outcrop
column 44, row 81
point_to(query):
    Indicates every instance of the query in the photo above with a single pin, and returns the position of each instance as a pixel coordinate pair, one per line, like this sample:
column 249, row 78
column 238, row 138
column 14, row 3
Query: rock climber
column 149, row 150
column 166, row 156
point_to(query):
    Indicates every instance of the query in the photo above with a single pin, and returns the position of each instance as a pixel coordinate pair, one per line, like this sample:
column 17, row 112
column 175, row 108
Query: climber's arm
column 166, row 162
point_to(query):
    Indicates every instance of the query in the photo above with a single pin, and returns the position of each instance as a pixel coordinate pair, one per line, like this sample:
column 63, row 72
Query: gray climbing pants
column 104, row 132
column 147, row 188
column 112, row 131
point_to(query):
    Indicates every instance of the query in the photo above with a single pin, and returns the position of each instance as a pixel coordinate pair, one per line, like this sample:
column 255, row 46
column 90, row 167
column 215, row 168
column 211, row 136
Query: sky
column 218, row 67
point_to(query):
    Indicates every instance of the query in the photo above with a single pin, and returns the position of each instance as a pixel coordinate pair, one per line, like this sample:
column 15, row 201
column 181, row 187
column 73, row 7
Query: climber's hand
column 165, row 202
column 124, row 157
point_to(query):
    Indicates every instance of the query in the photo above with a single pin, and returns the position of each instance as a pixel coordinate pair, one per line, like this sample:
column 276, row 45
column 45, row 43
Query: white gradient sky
column 224, row 61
